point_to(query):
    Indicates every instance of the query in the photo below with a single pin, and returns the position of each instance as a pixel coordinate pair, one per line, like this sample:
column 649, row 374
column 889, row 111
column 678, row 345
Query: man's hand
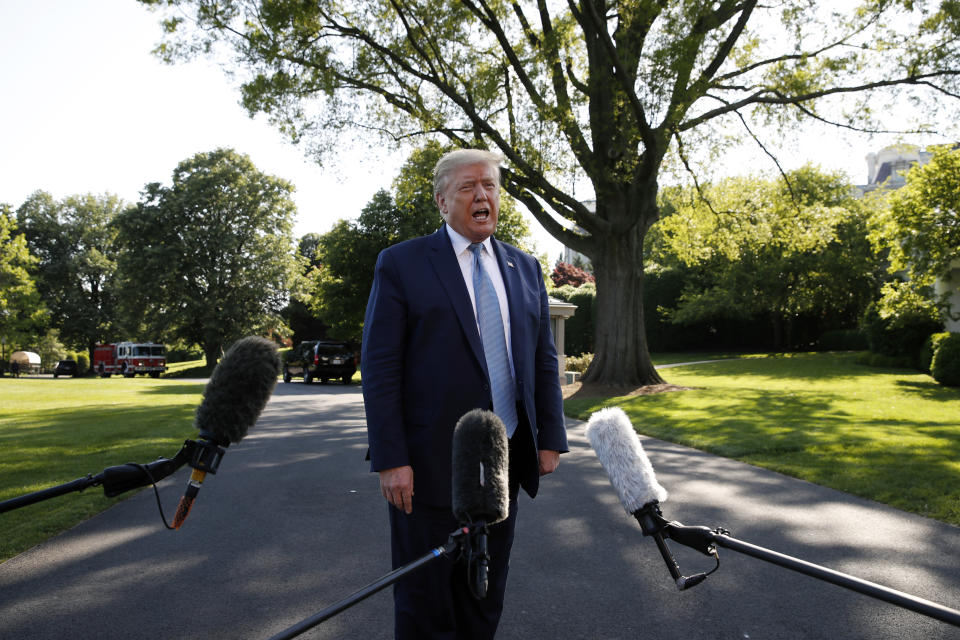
column 396, row 485
column 549, row 461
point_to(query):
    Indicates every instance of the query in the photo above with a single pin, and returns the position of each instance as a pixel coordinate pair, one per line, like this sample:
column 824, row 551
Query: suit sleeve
column 551, row 429
column 381, row 366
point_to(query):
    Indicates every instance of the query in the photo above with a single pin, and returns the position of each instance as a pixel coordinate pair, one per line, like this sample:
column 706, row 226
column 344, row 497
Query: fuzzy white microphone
column 618, row 447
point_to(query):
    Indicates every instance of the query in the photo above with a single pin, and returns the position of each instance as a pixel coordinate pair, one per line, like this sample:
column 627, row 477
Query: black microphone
column 480, row 485
column 236, row 394
column 619, row 450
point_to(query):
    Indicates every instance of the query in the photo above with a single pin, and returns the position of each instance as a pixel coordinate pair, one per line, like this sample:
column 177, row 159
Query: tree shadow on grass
column 930, row 390
column 181, row 388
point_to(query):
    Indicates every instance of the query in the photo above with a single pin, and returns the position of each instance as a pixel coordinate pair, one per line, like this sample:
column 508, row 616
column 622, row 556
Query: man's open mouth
column 481, row 214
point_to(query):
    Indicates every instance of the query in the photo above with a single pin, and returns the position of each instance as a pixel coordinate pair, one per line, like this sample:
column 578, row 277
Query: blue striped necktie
column 494, row 343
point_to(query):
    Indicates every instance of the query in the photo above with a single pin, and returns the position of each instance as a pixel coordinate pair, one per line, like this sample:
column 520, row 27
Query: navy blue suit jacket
column 423, row 365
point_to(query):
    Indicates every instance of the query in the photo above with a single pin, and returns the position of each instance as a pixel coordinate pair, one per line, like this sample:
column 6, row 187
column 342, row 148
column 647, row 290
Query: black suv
column 321, row 359
column 65, row 368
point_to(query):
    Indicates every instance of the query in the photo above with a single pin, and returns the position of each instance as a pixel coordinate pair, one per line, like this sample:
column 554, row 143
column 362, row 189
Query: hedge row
column 902, row 341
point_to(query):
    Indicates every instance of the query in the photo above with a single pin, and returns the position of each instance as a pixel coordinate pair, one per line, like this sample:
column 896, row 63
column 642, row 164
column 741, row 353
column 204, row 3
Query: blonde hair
column 458, row 158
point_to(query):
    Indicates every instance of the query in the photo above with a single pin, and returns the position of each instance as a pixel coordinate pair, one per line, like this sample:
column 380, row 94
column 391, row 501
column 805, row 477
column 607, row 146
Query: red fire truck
column 129, row 358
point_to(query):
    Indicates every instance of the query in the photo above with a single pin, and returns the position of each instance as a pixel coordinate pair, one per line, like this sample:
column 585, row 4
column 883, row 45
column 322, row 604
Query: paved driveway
column 294, row 522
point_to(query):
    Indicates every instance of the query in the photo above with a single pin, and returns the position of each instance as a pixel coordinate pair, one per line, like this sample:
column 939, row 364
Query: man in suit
column 425, row 364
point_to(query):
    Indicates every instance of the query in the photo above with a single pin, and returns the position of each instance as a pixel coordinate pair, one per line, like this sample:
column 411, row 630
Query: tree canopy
column 920, row 227
column 21, row 308
column 210, row 258
column 750, row 248
column 73, row 240
column 601, row 92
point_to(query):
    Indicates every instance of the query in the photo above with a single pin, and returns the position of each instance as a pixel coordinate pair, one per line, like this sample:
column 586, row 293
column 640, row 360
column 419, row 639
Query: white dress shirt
column 461, row 248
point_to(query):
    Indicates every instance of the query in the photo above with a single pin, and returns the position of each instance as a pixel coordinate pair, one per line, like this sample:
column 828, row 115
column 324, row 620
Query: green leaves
column 210, row 258
column 73, row 241
column 761, row 248
column 584, row 92
column 920, row 228
column 922, row 225
column 20, row 305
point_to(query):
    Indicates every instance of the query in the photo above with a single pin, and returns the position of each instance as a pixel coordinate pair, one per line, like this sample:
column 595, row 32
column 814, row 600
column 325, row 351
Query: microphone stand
column 458, row 540
column 203, row 454
column 707, row 540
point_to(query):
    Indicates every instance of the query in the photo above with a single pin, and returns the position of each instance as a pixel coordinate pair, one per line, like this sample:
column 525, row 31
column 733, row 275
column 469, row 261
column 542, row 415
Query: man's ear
column 441, row 204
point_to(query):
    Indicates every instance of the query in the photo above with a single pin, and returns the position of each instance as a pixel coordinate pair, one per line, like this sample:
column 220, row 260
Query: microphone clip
column 652, row 523
column 205, row 454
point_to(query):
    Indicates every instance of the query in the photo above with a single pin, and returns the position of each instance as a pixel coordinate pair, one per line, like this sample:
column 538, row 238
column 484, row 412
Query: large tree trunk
column 622, row 356
column 212, row 352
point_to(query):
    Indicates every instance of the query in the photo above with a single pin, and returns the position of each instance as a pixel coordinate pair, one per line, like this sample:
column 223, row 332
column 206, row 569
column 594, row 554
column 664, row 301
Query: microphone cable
column 156, row 492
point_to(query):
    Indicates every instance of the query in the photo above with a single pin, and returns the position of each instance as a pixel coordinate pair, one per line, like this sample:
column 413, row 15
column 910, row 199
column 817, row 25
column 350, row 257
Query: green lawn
column 55, row 431
column 891, row 435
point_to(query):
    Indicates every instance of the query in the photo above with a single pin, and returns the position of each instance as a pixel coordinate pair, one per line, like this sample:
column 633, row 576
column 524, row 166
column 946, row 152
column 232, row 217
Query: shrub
column 843, row 340
column 929, row 348
column 945, row 366
column 565, row 273
column 83, row 362
column 900, row 335
column 579, row 363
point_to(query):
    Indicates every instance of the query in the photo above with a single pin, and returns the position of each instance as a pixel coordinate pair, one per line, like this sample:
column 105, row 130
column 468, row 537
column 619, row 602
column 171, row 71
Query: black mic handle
column 480, row 558
column 203, row 455
column 700, row 538
column 124, row 477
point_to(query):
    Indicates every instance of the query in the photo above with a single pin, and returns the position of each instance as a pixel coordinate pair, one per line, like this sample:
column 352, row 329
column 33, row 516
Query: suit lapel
column 447, row 268
column 514, row 286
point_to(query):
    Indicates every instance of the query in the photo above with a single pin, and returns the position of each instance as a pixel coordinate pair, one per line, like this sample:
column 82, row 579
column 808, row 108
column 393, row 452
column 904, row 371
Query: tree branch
column 763, row 147
column 844, row 41
column 681, row 151
column 746, row 10
column 626, row 79
column 561, row 114
column 578, row 242
column 525, row 26
column 770, row 95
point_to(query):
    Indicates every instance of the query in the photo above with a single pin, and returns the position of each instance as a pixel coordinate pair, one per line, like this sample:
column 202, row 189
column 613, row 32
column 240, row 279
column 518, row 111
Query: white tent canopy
column 26, row 362
column 25, row 358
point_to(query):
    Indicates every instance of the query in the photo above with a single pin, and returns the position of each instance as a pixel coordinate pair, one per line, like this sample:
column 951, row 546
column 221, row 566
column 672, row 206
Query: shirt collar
column 460, row 243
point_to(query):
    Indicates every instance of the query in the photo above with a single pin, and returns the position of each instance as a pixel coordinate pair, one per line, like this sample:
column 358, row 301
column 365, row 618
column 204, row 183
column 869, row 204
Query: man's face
column 471, row 201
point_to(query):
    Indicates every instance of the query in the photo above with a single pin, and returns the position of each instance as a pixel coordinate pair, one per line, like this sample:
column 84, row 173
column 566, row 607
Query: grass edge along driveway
column 890, row 435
